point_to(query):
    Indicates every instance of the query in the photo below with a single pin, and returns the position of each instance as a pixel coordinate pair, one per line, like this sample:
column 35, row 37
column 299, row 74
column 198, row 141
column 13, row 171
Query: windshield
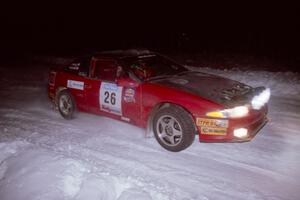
column 148, row 67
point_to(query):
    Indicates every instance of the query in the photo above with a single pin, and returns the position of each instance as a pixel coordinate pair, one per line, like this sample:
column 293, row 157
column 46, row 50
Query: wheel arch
column 158, row 106
column 60, row 89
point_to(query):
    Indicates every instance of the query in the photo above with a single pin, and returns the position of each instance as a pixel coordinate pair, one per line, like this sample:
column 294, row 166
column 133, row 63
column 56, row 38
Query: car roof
column 121, row 54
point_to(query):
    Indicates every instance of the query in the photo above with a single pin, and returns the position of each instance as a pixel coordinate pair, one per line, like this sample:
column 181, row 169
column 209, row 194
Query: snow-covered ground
column 43, row 156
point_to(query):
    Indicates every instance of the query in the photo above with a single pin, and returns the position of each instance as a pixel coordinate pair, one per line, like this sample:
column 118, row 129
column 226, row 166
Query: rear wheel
column 174, row 128
column 66, row 104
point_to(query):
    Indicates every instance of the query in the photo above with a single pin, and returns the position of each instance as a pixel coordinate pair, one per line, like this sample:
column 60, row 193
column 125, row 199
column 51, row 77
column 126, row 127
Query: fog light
column 240, row 133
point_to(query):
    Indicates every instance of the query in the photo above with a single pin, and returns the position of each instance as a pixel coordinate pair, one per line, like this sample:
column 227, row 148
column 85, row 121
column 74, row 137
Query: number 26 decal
column 110, row 97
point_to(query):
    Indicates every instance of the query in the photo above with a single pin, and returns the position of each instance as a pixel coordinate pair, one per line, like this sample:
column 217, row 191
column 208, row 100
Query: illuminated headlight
column 240, row 133
column 236, row 112
column 261, row 99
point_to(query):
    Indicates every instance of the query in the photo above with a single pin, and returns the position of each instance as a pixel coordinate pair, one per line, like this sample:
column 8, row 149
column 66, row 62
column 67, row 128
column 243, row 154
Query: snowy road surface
column 43, row 156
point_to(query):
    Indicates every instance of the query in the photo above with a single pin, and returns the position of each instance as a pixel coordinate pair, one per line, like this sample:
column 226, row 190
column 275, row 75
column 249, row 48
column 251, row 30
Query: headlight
column 261, row 99
column 236, row 112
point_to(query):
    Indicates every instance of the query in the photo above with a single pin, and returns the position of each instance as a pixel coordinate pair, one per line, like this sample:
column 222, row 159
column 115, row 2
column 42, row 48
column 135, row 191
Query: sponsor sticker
column 213, row 131
column 212, row 126
column 218, row 123
column 129, row 95
column 79, row 85
column 74, row 66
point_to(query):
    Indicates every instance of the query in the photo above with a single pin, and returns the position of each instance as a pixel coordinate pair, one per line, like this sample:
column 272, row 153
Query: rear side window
column 79, row 67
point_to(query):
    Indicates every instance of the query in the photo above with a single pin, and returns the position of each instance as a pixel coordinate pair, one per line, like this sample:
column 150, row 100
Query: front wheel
column 174, row 128
column 66, row 104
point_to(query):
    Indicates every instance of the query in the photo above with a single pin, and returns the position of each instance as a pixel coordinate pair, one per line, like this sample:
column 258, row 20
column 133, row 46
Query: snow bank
column 280, row 83
column 30, row 173
column 38, row 174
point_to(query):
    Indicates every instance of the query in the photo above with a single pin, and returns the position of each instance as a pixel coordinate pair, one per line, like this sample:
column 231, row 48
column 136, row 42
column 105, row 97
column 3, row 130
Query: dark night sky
column 245, row 27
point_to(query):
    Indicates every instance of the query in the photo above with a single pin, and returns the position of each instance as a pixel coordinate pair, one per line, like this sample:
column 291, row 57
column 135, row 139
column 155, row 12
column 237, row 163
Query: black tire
column 174, row 128
column 66, row 104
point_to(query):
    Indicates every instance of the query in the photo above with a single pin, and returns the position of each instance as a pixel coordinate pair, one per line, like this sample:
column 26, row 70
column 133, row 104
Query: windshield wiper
column 182, row 73
column 168, row 75
column 160, row 77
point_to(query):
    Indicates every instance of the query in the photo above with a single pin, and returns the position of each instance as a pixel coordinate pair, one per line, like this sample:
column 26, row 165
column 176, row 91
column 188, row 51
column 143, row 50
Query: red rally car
column 151, row 91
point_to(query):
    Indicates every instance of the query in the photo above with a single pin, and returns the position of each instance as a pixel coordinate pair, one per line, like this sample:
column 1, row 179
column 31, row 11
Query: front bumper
column 253, row 130
column 253, row 123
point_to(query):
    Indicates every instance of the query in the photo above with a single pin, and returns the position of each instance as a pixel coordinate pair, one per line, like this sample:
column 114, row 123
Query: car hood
column 218, row 89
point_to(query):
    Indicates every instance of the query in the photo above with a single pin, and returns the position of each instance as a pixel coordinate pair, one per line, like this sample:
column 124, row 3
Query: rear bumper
column 253, row 124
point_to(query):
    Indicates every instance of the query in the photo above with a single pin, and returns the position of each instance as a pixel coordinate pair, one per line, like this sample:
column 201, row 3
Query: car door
column 102, row 93
column 131, row 100
column 111, row 96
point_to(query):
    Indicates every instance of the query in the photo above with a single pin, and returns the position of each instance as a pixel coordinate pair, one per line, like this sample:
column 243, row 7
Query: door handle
column 87, row 86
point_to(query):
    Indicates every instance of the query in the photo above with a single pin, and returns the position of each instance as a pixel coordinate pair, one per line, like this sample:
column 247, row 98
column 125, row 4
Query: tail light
column 52, row 76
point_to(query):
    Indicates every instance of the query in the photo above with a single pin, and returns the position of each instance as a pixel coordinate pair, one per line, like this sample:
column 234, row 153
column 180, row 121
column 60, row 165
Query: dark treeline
column 250, row 29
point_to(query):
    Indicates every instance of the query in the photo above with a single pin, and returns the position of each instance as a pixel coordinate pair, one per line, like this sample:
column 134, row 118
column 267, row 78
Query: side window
column 106, row 70
column 79, row 67
column 84, row 67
